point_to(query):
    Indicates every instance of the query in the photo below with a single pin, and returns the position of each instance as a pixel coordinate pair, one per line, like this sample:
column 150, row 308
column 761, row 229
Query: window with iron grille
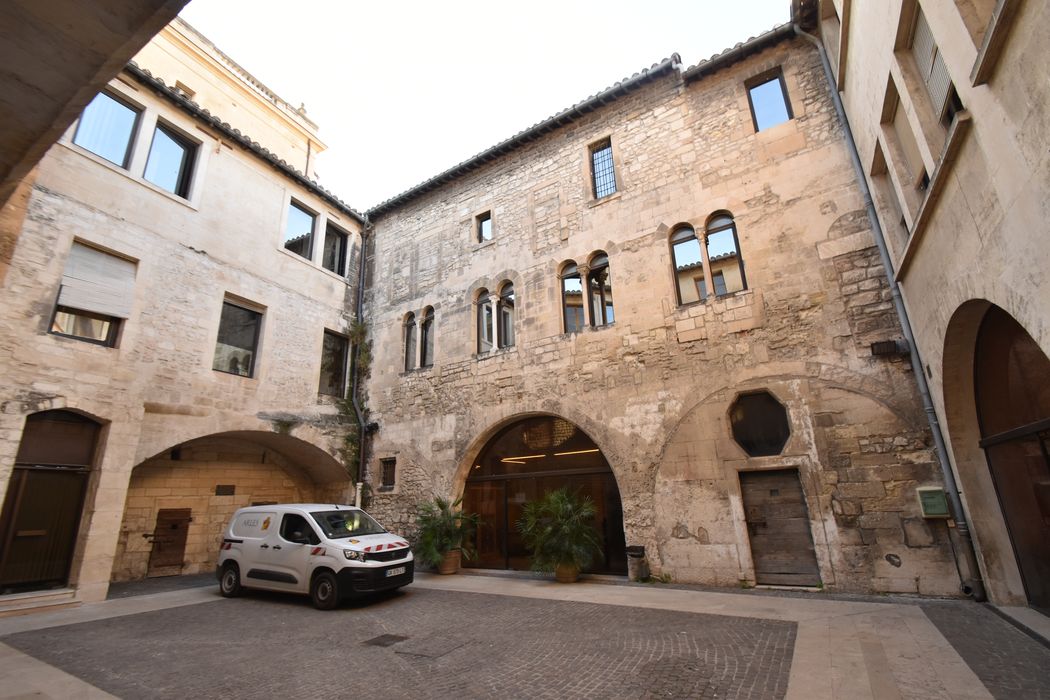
column 388, row 469
column 603, row 172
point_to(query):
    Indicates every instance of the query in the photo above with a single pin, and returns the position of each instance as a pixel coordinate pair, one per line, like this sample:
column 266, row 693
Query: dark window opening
column 335, row 246
column 603, row 172
column 235, row 348
column 388, row 468
column 296, row 528
column 225, row 489
column 334, row 351
column 426, row 330
column 84, row 325
column 410, row 342
column 760, row 424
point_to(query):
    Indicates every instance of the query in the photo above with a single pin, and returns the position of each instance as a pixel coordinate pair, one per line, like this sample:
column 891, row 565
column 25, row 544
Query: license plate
column 396, row 571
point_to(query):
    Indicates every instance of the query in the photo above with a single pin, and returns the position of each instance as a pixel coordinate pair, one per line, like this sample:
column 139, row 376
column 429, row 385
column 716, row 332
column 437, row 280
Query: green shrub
column 443, row 528
column 559, row 530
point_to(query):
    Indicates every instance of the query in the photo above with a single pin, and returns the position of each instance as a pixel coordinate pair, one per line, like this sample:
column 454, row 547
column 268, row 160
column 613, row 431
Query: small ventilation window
column 760, row 424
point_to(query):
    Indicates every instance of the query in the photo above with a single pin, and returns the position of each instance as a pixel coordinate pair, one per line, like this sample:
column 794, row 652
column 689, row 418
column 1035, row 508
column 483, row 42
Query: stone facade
column 156, row 391
column 654, row 388
column 975, row 236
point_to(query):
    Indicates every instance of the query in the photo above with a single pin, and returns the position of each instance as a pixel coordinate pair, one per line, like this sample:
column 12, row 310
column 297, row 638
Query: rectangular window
column 334, row 352
column 485, row 325
column 107, row 128
column 768, row 98
column 299, row 232
column 170, row 161
column 932, row 70
column 238, row 339
column 335, row 245
column 96, row 293
column 603, row 172
column 484, row 227
column 388, row 468
column 719, row 280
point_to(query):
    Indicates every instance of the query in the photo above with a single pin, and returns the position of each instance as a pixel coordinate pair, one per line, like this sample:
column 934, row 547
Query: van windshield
column 347, row 523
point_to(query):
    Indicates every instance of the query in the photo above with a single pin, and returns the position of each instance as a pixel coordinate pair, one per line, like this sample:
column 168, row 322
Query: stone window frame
column 598, row 264
column 427, row 338
column 479, row 221
column 569, row 270
column 594, row 146
column 506, row 305
column 768, row 76
column 484, row 316
column 713, row 225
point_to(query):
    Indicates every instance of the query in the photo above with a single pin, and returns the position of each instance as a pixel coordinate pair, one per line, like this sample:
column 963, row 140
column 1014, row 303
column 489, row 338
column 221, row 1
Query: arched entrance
column 44, row 501
column 519, row 464
column 1012, row 392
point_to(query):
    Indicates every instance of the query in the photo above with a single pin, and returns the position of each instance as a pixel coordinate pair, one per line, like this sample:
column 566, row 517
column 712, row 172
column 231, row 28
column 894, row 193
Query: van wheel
column 324, row 591
column 230, row 581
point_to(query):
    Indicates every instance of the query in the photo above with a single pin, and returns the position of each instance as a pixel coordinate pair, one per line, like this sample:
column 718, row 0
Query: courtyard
column 473, row 636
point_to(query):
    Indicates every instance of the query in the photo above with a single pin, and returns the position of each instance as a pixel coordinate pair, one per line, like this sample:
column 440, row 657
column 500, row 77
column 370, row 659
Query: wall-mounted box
column 933, row 502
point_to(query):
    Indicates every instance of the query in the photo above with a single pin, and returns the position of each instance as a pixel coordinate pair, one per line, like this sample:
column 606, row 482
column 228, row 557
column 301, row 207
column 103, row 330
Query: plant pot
column 566, row 573
column 450, row 563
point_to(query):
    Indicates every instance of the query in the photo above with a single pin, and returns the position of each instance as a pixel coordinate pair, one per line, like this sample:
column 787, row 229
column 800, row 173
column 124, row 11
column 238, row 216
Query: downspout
column 975, row 586
column 362, row 429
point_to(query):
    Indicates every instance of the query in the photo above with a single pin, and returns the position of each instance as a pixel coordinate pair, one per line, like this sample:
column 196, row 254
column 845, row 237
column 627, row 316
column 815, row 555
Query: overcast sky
column 404, row 90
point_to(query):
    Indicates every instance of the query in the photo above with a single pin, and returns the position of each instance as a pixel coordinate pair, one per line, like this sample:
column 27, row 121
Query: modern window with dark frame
column 483, row 227
column 96, row 295
column 336, row 244
column 722, row 249
column 170, row 161
column 768, row 98
column 107, row 128
column 238, row 340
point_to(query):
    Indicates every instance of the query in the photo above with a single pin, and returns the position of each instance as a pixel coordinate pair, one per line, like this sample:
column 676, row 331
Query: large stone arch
column 995, row 551
column 196, row 484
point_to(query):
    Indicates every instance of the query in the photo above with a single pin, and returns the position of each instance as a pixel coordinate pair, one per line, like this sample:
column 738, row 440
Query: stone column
column 588, row 313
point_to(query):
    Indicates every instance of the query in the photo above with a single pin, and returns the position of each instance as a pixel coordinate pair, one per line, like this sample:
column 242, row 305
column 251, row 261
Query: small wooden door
column 778, row 526
column 169, row 541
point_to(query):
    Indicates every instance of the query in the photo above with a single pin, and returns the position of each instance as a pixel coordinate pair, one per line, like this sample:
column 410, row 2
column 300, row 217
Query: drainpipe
column 974, row 587
column 359, row 316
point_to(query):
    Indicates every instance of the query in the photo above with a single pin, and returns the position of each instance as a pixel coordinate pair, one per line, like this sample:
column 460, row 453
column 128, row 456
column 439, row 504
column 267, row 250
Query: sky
column 404, row 90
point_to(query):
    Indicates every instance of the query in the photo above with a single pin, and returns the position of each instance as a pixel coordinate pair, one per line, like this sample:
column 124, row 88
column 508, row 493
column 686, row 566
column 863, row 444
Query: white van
column 329, row 551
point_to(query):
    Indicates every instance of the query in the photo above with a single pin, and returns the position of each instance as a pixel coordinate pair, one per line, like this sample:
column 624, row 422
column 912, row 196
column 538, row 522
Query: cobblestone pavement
column 1011, row 664
column 458, row 645
column 149, row 586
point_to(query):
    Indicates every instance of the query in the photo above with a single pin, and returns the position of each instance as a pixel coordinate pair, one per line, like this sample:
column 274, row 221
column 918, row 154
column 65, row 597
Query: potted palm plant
column 559, row 529
column 444, row 534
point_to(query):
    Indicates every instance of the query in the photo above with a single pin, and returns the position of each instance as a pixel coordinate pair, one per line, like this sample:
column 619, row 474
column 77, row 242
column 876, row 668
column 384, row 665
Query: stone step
column 37, row 601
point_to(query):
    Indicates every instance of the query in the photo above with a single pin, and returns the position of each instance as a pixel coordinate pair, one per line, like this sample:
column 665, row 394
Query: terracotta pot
column 450, row 563
column 566, row 573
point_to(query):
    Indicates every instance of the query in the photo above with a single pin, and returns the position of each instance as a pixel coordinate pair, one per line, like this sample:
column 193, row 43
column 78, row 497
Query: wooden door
column 39, row 526
column 169, row 541
column 778, row 526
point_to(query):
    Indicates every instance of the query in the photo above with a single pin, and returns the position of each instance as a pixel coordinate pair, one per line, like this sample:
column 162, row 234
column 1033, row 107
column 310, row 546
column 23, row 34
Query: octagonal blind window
column 760, row 424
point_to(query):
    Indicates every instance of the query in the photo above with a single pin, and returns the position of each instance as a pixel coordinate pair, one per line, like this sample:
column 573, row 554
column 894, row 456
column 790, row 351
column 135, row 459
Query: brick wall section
column 653, row 390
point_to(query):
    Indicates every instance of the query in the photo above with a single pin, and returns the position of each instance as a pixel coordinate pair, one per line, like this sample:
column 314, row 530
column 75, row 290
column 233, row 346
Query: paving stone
column 475, row 646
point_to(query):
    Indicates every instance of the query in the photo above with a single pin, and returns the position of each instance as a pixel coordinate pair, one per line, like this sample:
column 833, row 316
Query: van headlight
column 353, row 556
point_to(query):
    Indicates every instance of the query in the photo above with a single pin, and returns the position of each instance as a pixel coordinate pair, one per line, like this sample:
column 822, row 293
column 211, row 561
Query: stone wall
column 654, row 388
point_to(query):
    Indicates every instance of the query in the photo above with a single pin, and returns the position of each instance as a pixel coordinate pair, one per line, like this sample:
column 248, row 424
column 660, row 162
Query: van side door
column 288, row 555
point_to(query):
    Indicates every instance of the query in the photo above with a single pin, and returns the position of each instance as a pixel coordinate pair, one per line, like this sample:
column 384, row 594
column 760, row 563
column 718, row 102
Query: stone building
column 667, row 297
column 948, row 106
column 175, row 332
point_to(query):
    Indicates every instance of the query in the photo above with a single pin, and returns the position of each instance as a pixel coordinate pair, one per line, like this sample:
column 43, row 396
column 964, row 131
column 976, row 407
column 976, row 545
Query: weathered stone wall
column 653, row 389
column 981, row 236
column 157, row 389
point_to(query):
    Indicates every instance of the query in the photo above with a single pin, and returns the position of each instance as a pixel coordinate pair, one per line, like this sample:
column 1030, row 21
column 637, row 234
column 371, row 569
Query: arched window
column 572, row 298
column 426, row 339
column 410, row 342
column 723, row 255
column 486, row 327
column 688, row 266
column 505, row 313
column 599, row 291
